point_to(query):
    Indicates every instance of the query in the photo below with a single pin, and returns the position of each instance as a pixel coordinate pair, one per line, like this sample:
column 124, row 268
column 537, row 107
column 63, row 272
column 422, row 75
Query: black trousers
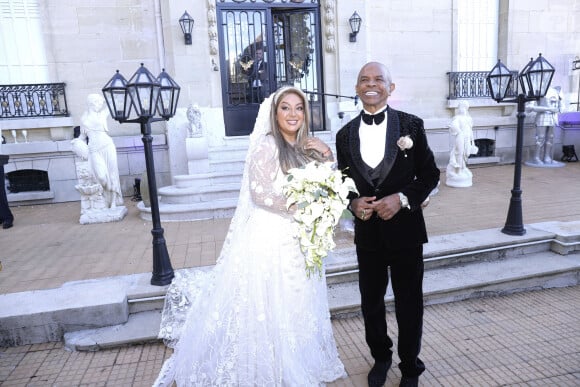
column 406, row 267
column 5, row 213
column 256, row 94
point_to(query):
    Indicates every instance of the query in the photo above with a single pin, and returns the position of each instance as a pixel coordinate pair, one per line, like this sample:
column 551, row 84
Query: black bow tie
column 377, row 118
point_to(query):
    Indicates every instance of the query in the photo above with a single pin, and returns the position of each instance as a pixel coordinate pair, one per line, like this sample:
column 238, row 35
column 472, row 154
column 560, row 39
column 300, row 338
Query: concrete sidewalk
column 525, row 339
column 528, row 338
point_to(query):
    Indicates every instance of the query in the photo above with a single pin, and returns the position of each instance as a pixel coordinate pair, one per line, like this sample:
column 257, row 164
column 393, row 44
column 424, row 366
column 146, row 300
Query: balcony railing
column 472, row 84
column 33, row 101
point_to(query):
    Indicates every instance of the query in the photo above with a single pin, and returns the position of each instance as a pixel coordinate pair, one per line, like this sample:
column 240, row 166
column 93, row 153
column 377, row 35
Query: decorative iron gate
column 264, row 46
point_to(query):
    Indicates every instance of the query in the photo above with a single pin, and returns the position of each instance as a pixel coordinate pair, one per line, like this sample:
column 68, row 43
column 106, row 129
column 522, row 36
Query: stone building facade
column 85, row 42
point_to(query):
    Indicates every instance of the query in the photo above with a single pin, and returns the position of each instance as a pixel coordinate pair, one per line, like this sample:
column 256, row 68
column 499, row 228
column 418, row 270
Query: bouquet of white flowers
column 320, row 193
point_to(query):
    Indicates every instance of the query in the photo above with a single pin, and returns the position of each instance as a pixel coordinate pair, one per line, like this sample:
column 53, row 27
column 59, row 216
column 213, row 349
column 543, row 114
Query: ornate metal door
column 262, row 47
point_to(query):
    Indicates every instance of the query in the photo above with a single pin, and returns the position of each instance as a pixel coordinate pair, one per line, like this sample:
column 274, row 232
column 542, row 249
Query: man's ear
column 391, row 88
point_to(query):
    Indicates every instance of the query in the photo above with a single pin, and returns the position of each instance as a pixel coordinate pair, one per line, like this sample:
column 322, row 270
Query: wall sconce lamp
column 355, row 22
column 186, row 23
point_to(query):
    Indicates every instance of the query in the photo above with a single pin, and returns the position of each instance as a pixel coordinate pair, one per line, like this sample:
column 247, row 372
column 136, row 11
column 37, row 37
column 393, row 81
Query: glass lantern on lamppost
column 535, row 79
column 168, row 95
column 150, row 99
column 118, row 100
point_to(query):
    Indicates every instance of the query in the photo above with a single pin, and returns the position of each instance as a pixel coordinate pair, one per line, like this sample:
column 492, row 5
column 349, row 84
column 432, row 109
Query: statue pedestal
column 93, row 207
column 552, row 164
column 461, row 179
column 197, row 151
column 103, row 216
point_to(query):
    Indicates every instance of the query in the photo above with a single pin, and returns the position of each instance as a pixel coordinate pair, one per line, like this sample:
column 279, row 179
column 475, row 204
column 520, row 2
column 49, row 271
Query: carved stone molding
column 212, row 27
column 329, row 30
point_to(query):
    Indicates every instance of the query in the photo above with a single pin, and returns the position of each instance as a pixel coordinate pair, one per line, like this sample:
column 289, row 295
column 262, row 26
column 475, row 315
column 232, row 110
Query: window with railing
column 33, row 101
column 472, row 84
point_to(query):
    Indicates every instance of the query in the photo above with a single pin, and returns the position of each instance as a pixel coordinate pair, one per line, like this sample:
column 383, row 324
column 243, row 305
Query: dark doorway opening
column 486, row 147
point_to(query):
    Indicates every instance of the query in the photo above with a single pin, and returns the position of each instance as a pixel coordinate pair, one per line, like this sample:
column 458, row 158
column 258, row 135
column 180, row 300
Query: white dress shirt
column 372, row 141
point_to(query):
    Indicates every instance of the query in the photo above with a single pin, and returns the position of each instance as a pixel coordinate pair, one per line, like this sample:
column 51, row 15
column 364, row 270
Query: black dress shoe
column 378, row 374
column 7, row 224
column 412, row 381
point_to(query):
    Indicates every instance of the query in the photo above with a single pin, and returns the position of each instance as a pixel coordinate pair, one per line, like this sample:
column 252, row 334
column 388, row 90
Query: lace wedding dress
column 256, row 318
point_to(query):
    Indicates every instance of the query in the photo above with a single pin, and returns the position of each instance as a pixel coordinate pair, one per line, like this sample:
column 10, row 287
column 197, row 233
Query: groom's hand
column 387, row 207
column 362, row 207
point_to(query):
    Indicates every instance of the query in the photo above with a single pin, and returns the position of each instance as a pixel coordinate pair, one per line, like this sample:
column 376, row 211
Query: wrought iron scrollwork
column 33, row 100
column 472, row 84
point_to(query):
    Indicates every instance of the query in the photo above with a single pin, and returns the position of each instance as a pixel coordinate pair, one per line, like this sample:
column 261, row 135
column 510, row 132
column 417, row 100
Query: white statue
column 102, row 151
column 461, row 129
column 196, row 144
column 99, row 184
column 195, row 128
column 546, row 110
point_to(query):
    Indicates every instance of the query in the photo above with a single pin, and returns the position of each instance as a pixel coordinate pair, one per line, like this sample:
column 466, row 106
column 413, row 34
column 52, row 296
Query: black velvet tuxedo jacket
column 412, row 171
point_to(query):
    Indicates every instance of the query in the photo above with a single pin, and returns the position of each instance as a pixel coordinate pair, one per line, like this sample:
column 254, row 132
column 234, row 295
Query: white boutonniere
column 405, row 143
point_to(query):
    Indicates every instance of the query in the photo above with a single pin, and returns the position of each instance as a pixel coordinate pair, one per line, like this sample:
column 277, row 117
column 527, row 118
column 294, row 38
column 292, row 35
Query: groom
column 385, row 152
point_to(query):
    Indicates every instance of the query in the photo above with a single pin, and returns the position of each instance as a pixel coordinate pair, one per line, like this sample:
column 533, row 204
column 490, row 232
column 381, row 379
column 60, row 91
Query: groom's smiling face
column 373, row 86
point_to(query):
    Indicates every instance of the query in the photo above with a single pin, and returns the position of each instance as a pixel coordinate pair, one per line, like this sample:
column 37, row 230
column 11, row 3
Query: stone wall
column 87, row 42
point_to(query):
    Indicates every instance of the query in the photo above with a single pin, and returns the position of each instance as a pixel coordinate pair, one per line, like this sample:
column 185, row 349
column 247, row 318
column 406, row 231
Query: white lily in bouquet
column 320, row 193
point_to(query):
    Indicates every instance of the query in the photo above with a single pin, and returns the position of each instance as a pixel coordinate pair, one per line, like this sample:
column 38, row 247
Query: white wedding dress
column 256, row 318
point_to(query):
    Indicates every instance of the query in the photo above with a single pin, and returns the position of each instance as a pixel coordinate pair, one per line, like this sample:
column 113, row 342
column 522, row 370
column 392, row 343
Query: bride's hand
column 314, row 143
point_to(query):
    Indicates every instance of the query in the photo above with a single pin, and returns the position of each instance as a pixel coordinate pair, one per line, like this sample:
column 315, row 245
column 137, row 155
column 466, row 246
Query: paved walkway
column 523, row 339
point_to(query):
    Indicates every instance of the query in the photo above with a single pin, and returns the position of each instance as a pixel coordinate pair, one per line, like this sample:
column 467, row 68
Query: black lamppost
column 535, row 79
column 153, row 99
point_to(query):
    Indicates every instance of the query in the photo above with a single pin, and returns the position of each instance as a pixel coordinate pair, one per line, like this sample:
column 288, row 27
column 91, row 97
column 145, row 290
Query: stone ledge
column 45, row 315
column 483, row 160
column 35, row 123
column 31, row 195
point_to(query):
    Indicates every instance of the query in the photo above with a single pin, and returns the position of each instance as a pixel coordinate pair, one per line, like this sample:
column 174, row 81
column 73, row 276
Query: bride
column 256, row 318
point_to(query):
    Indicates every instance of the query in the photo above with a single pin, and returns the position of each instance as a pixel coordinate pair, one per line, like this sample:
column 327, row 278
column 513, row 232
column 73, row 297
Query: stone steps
column 472, row 280
column 198, row 194
column 209, row 194
column 122, row 310
column 219, row 208
column 211, row 179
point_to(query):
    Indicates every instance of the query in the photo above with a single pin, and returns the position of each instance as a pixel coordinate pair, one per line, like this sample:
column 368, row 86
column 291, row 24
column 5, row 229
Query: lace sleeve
column 266, row 178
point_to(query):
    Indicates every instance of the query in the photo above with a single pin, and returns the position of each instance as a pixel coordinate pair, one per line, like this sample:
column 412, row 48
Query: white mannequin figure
column 546, row 109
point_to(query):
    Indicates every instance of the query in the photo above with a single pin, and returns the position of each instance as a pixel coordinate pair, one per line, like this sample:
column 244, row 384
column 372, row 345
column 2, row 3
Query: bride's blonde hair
column 292, row 156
